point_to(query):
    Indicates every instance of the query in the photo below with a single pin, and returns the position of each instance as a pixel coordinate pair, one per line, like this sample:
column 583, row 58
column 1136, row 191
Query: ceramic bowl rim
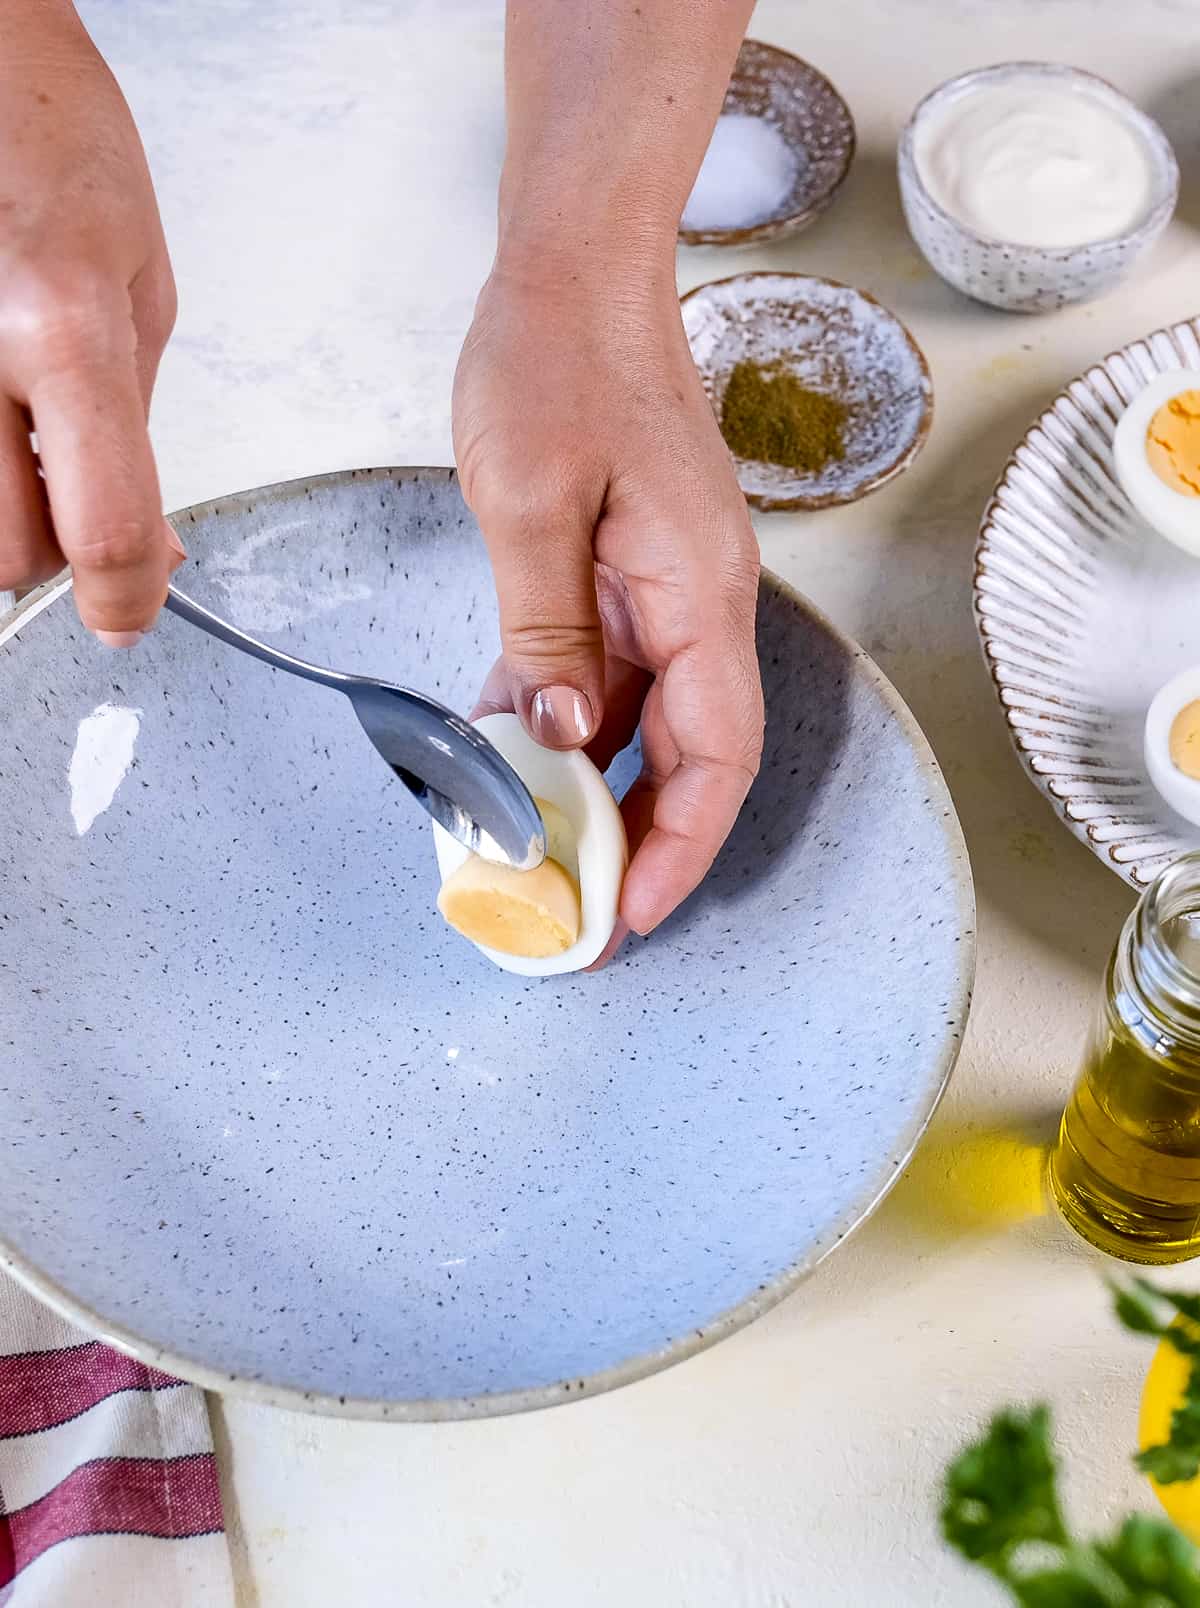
column 501, row 1403
column 786, row 222
column 1159, row 147
column 772, row 502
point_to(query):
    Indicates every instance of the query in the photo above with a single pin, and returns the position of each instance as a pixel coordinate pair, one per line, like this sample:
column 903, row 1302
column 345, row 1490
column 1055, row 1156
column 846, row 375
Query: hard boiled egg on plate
column 559, row 917
column 1172, row 743
column 1156, row 452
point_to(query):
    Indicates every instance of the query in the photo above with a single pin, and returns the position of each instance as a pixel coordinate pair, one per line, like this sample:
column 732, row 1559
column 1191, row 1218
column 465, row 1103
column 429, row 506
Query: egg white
column 1170, row 513
column 571, row 781
column 1180, row 791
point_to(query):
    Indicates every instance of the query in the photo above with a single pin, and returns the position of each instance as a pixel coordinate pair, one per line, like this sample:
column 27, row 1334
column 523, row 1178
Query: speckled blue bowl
column 267, row 1124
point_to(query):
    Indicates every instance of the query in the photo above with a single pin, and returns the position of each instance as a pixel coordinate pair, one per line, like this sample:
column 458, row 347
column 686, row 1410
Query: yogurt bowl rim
column 1165, row 164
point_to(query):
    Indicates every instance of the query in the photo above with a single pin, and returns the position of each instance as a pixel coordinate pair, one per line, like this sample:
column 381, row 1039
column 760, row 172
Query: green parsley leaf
column 1001, row 1492
column 1139, row 1308
column 1144, row 1308
column 1000, row 1505
column 1156, row 1562
column 1147, row 1564
column 1178, row 1458
column 1081, row 1579
column 1063, row 1588
column 1187, row 1306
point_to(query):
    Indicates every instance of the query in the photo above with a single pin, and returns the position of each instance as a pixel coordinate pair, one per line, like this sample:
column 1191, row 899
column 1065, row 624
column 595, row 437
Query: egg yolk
column 1184, row 741
column 1173, row 443
column 535, row 914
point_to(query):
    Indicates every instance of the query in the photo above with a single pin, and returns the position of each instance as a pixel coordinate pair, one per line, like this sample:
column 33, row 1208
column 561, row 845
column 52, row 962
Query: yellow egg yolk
column 1173, row 443
column 535, row 914
column 1184, row 741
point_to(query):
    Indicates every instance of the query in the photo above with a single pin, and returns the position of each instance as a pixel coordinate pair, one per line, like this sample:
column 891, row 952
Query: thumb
column 550, row 627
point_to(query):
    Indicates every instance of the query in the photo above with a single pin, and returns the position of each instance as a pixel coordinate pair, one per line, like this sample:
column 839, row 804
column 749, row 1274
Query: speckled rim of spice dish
column 1018, row 580
column 783, row 65
column 798, row 500
column 962, row 84
column 503, row 1403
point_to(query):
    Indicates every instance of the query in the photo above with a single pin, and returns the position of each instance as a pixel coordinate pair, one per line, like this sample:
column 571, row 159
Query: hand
column 626, row 566
column 86, row 305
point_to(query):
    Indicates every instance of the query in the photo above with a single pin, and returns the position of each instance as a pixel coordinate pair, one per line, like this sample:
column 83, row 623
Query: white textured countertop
column 327, row 173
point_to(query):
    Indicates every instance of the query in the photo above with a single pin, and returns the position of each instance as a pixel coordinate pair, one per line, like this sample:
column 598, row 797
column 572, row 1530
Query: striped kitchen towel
column 108, row 1485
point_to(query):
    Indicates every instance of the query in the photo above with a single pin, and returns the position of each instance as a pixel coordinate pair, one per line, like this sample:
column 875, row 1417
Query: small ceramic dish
column 815, row 123
column 1032, row 279
column 836, row 340
column 270, row 1125
column 1175, row 787
column 1085, row 613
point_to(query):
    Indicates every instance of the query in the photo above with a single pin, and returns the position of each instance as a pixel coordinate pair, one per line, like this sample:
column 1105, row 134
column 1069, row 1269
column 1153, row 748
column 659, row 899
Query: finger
column 625, row 689
column 28, row 552
column 701, row 742
column 103, row 488
column 153, row 300
column 637, row 811
column 541, row 551
column 495, row 696
column 619, row 935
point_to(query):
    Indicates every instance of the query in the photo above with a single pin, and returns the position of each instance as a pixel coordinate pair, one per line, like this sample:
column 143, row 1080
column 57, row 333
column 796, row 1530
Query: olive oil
column 1126, row 1169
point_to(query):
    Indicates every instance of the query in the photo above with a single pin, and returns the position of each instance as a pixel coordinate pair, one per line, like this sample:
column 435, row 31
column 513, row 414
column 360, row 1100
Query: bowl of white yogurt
column 1030, row 185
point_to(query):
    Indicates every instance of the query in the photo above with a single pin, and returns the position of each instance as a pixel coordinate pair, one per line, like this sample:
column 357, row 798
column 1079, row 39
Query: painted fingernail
column 173, row 541
column 120, row 639
column 561, row 717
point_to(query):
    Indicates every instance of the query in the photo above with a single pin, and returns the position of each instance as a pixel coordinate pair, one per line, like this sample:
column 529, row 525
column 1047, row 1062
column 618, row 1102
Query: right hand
column 87, row 302
column 625, row 562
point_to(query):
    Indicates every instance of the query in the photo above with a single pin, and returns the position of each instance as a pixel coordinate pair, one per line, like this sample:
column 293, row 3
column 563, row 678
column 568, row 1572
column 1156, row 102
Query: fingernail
column 642, row 928
column 120, row 639
column 173, row 541
column 562, row 717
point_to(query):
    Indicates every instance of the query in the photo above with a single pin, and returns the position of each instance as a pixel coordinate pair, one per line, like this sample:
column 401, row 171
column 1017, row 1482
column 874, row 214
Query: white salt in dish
column 780, row 151
column 748, row 173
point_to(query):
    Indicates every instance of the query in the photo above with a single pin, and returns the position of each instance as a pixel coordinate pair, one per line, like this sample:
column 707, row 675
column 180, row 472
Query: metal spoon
column 448, row 767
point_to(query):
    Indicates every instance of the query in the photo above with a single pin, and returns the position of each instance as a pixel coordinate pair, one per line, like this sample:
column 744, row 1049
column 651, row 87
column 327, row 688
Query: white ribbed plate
column 1084, row 612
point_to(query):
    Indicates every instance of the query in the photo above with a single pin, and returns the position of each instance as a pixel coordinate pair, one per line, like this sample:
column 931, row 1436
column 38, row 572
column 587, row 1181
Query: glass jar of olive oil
column 1126, row 1169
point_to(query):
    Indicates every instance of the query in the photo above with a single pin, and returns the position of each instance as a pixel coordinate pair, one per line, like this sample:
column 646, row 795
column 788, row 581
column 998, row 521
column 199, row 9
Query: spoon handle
column 195, row 614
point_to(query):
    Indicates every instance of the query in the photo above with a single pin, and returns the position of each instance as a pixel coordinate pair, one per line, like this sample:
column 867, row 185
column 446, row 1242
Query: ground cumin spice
column 772, row 418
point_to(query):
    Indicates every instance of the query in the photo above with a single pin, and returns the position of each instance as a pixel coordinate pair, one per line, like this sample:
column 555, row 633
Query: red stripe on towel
column 170, row 1498
column 39, row 1389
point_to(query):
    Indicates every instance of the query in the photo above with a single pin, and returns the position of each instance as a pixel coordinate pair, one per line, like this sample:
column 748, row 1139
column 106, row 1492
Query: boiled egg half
column 559, row 917
column 1172, row 743
column 1156, row 453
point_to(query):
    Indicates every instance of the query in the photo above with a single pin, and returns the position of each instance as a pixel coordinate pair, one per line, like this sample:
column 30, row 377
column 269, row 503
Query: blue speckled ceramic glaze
column 268, row 1124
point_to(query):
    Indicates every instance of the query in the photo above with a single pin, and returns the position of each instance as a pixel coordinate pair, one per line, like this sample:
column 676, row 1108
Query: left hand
column 625, row 563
